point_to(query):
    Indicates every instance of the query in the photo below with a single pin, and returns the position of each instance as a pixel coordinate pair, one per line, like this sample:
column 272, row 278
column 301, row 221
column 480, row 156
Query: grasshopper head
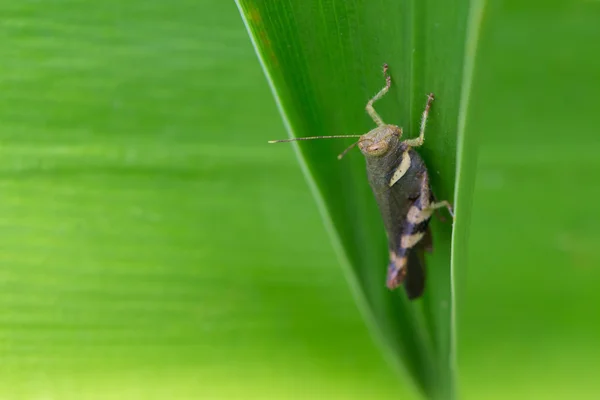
column 380, row 140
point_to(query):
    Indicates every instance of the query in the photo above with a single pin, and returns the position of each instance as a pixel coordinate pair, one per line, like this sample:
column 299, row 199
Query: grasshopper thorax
column 380, row 140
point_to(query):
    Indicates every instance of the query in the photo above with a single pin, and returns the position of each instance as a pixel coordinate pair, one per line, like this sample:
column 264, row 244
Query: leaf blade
column 325, row 63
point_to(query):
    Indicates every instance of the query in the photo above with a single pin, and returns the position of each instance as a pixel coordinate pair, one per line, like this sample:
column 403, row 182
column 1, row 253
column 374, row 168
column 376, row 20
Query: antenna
column 343, row 153
column 314, row 137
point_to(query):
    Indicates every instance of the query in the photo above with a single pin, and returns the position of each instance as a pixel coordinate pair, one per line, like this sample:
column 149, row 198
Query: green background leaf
column 154, row 246
column 528, row 294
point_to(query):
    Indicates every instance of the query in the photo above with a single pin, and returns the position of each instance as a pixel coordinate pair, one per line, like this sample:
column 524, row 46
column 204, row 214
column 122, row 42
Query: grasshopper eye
column 378, row 148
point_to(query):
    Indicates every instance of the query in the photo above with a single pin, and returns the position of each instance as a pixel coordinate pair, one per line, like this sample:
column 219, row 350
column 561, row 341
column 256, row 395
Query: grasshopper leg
column 424, row 206
column 370, row 110
column 419, row 141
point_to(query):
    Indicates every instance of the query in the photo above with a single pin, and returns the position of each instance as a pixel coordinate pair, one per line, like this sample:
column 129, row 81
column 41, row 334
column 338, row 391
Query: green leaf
column 529, row 301
column 149, row 235
column 324, row 62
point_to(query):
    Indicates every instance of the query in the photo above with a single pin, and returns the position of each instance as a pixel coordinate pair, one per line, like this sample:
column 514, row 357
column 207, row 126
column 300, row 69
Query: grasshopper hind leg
column 416, row 239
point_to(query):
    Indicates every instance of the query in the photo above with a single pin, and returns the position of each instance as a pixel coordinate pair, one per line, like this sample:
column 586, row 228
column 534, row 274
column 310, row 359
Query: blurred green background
column 153, row 246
